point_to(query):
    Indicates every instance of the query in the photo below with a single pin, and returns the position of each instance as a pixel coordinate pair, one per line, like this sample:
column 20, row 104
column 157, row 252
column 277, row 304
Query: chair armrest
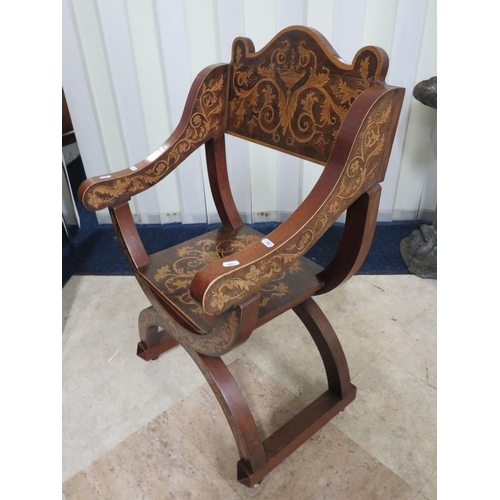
column 358, row 161
column 202, row 119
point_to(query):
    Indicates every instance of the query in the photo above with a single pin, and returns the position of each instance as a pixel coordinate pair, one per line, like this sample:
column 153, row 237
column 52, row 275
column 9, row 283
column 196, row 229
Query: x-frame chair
column 296, row 95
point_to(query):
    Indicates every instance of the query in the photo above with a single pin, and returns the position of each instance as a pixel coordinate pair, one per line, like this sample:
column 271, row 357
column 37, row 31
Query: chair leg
column 153, row 340
column 235, row 409
column 328, row 344
column 258, row 458
column 313, row 417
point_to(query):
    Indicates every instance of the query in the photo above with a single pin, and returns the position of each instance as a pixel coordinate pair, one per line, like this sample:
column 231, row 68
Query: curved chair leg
column 258, row 458
column 235, row 408
column 328, row 344
column 313, row 417
column 359, row 229
column 153, row 341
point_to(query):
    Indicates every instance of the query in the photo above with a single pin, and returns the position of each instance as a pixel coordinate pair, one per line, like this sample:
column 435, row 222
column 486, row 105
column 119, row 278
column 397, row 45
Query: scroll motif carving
column 215, row 343
column 150, row 317
column 176, row 278
column 291, row 96
column 361, row 168
column 205, row 121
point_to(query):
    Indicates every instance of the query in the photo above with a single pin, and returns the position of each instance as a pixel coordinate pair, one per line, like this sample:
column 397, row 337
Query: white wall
column 128, row 66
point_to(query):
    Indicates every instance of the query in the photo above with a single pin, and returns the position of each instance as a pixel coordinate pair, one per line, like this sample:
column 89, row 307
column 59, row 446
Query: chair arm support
column 356, row 239
column 203, row 117
column 358, row 161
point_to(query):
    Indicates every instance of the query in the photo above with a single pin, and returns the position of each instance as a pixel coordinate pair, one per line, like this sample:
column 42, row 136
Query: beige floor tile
column 161, row 461
column 410, row 288
column 191, row 444
column 108, row 392
column 200, row 417
column 415, row 349
column 231, row 356
column 331, row 466
column 379, row 307
column 116, row 430
column 429, row 491
column 394, row 419
column 153, row 463
column 284, row 349
column 80, row 487
column 367, row 316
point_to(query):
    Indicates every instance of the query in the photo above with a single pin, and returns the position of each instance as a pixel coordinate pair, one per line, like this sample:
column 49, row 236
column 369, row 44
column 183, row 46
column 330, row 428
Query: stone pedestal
column 419, row 250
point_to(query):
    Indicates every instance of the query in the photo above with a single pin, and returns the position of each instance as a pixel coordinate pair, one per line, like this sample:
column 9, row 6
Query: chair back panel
column 294, row 94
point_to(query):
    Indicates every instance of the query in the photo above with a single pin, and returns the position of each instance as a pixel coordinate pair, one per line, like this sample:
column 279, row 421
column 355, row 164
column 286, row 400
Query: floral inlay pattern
column 291, row 97
column 175, row 279
column 361, row 168
column 205, row 121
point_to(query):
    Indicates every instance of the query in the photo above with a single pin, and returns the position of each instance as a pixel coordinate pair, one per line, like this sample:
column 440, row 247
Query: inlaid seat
column 172, row 270
column 210, row 293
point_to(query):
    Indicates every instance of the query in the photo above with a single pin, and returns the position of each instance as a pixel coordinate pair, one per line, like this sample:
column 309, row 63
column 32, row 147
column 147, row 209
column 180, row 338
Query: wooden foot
column 153, row 340
column 235, row 409
column 257, row 457
column 311, row 419
column 294, row 433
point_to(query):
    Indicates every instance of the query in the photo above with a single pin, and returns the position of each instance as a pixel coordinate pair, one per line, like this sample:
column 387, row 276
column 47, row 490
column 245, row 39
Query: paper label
column 133, row 168
column 105, row 177
column 230, row 263
column 268, row 243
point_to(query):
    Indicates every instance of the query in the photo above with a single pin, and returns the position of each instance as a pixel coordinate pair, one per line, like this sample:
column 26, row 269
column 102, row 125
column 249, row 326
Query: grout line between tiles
column 425, row 484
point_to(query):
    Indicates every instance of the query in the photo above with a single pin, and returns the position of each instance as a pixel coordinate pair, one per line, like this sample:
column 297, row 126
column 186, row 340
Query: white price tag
column 268, row 243
column 230, row 263
column 105, row 177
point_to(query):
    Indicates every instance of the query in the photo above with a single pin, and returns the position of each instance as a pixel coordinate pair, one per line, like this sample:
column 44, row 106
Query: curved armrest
column 202, row 119
column 358, row 161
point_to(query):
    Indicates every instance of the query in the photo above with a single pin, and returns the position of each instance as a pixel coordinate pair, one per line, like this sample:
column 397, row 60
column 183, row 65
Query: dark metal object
column 426, row 92
column 419, row 250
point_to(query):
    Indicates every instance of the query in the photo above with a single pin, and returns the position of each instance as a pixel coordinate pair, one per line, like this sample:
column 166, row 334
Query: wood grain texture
column 210, row 293
column 356, row 163
column 219, row 182
column 294, row 94
column 203, row 117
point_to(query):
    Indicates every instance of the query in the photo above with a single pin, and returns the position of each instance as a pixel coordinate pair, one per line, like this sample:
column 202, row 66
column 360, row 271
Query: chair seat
column 171, row 271
column 208, row 294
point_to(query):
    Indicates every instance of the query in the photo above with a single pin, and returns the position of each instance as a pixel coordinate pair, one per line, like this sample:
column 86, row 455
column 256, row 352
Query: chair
column 210, row 293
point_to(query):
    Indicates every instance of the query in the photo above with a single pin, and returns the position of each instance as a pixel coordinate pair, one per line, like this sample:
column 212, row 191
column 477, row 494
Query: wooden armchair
column 210, row 293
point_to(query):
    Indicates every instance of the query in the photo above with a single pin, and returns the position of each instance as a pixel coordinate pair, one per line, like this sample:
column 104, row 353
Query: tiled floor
column 134, row 429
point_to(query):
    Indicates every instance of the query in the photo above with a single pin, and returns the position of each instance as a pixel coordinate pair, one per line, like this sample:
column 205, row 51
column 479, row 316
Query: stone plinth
column 419, row 250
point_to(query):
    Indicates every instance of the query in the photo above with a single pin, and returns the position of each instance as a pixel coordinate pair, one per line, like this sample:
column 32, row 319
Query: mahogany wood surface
column 170, row 272
column 353, row 167
column 328, row 344
column 219, row 182
column 361, row 220
column 210, row 293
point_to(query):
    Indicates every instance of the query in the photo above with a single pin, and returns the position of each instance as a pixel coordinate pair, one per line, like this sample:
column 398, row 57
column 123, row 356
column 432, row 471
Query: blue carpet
column 93, row 249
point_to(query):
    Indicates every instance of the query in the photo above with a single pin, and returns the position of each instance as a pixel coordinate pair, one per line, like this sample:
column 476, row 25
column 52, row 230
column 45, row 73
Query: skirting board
column 273, row 216
column 423, row 215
